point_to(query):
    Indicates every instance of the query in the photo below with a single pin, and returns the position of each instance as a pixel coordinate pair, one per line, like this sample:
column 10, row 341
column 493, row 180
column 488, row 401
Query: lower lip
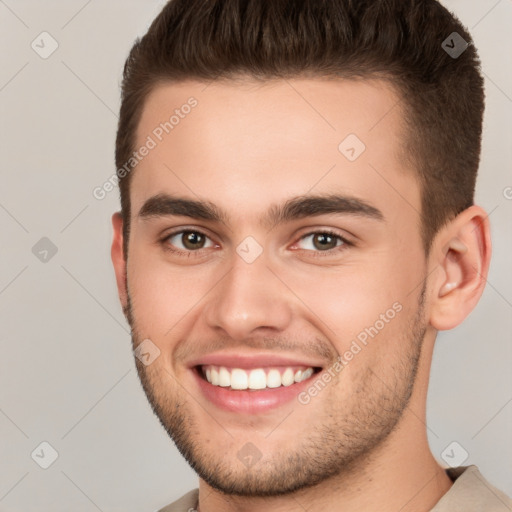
column 250, row 401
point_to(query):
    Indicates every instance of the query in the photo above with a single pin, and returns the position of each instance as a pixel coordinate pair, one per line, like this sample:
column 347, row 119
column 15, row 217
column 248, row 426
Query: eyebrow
column 162, row 205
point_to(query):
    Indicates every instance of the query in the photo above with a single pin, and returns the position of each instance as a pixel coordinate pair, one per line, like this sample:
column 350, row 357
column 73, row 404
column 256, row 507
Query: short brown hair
column 406, row 42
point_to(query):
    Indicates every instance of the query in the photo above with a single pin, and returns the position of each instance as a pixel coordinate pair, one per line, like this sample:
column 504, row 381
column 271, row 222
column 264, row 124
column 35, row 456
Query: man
column 297, row 224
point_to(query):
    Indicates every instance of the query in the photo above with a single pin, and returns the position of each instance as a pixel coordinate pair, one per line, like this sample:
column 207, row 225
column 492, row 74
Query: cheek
column 342, row 296
column 361, row 301
column 356, row 301
column 162, row 296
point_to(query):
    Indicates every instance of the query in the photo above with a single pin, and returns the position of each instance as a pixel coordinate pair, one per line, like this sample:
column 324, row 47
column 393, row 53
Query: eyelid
column 182, row 232
column 325, row 231
column 163, row 240
column 184, row 229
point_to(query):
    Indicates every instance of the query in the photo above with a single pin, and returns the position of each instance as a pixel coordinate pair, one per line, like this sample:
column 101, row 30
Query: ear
column 118, row 258
column 462, row 253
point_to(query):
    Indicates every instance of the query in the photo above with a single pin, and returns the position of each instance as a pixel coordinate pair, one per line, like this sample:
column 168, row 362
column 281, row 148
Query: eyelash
column 316, row 254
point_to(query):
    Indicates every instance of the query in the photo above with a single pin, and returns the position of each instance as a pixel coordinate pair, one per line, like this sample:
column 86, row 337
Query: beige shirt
column 471, row 492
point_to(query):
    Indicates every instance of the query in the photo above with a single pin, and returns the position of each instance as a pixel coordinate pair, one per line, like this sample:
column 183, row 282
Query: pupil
column 192, row 240
column 324, row 240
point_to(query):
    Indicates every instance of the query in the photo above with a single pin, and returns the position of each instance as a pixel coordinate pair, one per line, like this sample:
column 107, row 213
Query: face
column 276, row 265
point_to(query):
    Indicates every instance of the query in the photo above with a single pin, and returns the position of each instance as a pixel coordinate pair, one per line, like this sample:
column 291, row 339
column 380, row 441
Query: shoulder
column 471, row 492
column 186, row 503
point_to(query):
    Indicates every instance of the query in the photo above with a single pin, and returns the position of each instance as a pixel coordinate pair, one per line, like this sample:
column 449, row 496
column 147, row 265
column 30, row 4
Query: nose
column 249, row 298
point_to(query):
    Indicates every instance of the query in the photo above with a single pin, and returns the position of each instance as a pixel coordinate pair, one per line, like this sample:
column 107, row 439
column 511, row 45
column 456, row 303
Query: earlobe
column 118, row 258
column 463, row 256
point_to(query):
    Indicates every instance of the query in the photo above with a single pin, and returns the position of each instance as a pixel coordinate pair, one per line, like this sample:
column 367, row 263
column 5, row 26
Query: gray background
column 67, row 374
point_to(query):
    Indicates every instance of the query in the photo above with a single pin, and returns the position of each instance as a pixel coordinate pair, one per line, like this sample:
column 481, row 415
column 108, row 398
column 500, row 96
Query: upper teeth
column 257, row 378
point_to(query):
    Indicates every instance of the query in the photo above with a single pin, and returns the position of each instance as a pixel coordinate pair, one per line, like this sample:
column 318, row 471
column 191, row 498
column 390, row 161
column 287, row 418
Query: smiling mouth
column 238, row 379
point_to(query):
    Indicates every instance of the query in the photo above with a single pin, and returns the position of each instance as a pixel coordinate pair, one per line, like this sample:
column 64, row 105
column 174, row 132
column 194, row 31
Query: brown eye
column 188, row 240
column 192, row 240
column 322, row 241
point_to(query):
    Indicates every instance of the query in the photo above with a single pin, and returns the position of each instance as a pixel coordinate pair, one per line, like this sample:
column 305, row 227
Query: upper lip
column 259, row 360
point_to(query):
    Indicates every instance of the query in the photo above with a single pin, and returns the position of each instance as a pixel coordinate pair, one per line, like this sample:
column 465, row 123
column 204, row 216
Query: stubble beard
column 342, row 443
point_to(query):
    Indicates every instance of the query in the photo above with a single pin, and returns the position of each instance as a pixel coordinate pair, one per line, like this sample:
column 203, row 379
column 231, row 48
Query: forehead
column 311, row 109
column 243, row 143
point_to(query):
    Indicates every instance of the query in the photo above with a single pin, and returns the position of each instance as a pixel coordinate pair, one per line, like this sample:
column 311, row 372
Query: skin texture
column 361, row 443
